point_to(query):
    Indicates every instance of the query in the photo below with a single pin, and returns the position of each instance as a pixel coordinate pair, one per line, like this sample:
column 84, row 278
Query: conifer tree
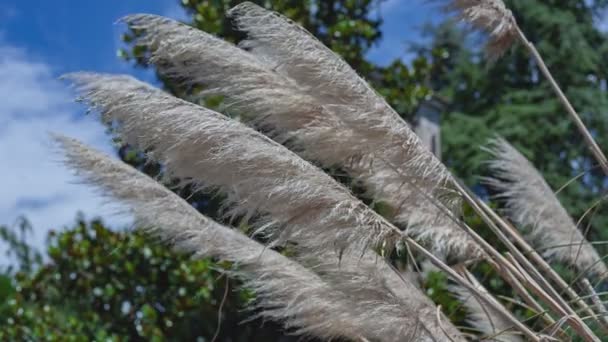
column 510, row 97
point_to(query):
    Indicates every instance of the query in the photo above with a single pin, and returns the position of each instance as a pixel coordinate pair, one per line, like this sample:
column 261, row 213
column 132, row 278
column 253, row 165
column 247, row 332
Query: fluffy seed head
column 330, row 303
column 491, row 16
column 296, row 200
column 278, row 89
column 532, row 205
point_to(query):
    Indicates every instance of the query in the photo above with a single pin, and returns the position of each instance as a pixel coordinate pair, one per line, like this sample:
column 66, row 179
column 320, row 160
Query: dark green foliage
column 98, row 285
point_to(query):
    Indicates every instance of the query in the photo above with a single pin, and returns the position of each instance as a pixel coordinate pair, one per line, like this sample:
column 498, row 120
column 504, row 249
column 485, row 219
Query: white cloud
column 32, row 180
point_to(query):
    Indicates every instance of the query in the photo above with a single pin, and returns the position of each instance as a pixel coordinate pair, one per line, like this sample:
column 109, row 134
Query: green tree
column 511, row 98
column 98, row 284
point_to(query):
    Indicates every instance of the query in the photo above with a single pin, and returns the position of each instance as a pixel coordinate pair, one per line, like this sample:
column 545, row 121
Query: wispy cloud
column 32, row 180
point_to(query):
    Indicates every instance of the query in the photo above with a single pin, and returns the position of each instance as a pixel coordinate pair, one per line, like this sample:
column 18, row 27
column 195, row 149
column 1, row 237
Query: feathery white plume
column 297, row 54
column 491, row 16
column 532, row 204
column 334, row 84
column 483, row 318
column 260, row 177
column 251, row 88
column 393, row 163
column 286, row 291
column 320, row 128
column 354, row 270
column 426, row 219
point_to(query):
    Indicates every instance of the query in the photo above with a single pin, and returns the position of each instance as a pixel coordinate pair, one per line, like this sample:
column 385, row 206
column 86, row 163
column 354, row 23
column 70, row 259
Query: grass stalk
column 597, row 302
column 546, row 269
column 523, row 293
column 553, row 300
column 491, row 302
column 588, row 138
column 543, row 289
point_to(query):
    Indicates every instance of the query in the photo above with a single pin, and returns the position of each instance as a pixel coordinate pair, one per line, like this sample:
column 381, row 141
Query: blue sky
column 40, row 40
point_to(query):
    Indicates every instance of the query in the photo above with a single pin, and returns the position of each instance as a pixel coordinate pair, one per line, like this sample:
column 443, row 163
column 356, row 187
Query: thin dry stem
column 587, row 136
column 544, row 289
column 484, row 297
column 597, row 302
column 487, row 321
column 522, row 292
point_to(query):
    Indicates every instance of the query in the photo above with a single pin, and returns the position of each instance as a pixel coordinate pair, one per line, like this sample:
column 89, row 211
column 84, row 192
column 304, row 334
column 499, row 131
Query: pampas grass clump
column 301, row 107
